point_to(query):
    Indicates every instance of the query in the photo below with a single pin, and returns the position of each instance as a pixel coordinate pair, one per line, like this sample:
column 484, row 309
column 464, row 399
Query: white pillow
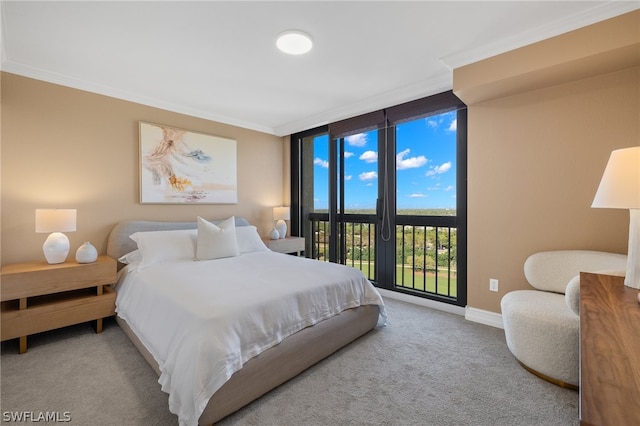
column 249, row 240
column 159, row 246
column 216, row 241
column 132, row 256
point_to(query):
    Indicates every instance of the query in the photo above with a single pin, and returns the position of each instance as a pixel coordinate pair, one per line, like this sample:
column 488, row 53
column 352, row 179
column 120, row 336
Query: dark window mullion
column 341, row 216
column 461, row 210
column 333, row 202
column 386, row 223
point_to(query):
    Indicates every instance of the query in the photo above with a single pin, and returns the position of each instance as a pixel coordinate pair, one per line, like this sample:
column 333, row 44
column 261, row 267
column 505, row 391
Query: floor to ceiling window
column 386, row 193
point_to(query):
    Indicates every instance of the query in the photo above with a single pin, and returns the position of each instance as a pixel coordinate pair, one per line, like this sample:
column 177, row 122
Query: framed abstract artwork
column 182, row 167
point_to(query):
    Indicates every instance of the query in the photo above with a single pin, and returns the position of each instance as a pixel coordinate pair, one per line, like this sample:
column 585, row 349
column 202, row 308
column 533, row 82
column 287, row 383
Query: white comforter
column 203, row 320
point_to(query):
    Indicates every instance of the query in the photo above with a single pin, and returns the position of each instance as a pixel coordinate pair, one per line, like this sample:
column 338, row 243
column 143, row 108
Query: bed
column 169, row 304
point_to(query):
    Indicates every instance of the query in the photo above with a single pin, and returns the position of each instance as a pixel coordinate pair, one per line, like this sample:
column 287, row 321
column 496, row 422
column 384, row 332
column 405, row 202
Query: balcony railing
column 425, row 250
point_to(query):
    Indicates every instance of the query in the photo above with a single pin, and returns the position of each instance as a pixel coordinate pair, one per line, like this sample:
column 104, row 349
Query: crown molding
column 87, row 86
column 596, row 14
column 438, row 84
column 405, row 94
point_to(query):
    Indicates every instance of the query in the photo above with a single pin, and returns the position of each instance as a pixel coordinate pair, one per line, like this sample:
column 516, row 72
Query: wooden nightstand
column 286, row 245
column 39, row 297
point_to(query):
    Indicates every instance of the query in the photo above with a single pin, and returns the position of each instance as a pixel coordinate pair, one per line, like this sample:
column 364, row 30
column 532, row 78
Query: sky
column 425, row 166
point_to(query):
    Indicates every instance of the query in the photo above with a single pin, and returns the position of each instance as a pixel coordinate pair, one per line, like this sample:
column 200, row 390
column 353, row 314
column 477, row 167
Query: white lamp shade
column 55, row 220
column 620, row 189
column 281, row 213
column 620, row 184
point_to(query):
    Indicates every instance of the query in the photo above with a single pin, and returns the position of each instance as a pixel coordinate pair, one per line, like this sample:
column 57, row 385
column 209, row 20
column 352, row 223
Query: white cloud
column 357, row 140
column 450, row 188
column 369, row 156
column 417, row 195
column 431, row 123
column 437, row 170
column 320, row 162
column 409, row 163
column 348, row 177
column 368, row 175
column 445, row 167
column 348, row 154
column 453, row 126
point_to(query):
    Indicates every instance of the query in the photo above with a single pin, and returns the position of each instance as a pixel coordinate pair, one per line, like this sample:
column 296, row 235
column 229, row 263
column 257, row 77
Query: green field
column 416, row 279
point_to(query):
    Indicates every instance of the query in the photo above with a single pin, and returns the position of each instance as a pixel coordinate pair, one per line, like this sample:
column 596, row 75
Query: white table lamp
column 56, row 221
column 281, row 214
column 620, row 189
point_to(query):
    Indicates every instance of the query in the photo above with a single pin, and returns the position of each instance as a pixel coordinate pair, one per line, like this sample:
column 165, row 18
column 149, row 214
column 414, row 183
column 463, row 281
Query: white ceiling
column 217, row 60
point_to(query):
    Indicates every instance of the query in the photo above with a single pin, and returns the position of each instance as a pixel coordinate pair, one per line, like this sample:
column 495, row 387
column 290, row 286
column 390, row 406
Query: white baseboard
column 483, row 317
column 471, row 314
column 427, row 303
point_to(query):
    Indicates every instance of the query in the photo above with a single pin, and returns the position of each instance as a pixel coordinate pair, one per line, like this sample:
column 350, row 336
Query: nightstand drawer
column 35, row 279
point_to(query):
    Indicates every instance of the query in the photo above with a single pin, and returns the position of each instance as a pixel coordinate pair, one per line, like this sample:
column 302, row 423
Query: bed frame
column 272, row 367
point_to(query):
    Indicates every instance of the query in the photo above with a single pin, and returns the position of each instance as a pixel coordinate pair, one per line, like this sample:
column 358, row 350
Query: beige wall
column 541, row 127
column 537, row 147
column 68, row 148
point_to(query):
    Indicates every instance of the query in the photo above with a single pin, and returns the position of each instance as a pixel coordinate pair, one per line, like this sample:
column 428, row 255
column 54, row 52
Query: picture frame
column 183, row 167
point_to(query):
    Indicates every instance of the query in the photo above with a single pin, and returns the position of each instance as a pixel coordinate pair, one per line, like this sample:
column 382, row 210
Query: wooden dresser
column 609, row 352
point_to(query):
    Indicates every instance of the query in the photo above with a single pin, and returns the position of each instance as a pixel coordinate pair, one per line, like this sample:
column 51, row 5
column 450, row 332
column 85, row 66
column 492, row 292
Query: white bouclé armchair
column 541, row 326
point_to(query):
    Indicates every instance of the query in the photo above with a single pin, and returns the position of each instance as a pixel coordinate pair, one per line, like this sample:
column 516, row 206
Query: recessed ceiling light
column 294, row 42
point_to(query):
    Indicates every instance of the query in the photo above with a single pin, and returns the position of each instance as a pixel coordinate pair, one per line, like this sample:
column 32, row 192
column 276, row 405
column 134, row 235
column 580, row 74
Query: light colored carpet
column 425, row 368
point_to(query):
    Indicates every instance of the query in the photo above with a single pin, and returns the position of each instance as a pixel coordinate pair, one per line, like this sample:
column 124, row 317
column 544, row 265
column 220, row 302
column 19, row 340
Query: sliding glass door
column 427, row 213
column 340, row 197
column 387, row 197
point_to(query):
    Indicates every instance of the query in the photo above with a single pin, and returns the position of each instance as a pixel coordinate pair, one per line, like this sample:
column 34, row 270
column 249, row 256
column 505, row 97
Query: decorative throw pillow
column 160, row 246
column 249, row 240
column 216, row 241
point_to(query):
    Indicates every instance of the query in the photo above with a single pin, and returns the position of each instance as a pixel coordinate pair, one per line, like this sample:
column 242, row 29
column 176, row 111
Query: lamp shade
column 281, row 213
column 620, row 184
column 620, row 189
column 55, row 220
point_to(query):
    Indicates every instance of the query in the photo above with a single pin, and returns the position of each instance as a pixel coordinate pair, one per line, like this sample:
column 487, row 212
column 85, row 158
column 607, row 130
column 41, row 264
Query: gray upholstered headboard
column 120, row 244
